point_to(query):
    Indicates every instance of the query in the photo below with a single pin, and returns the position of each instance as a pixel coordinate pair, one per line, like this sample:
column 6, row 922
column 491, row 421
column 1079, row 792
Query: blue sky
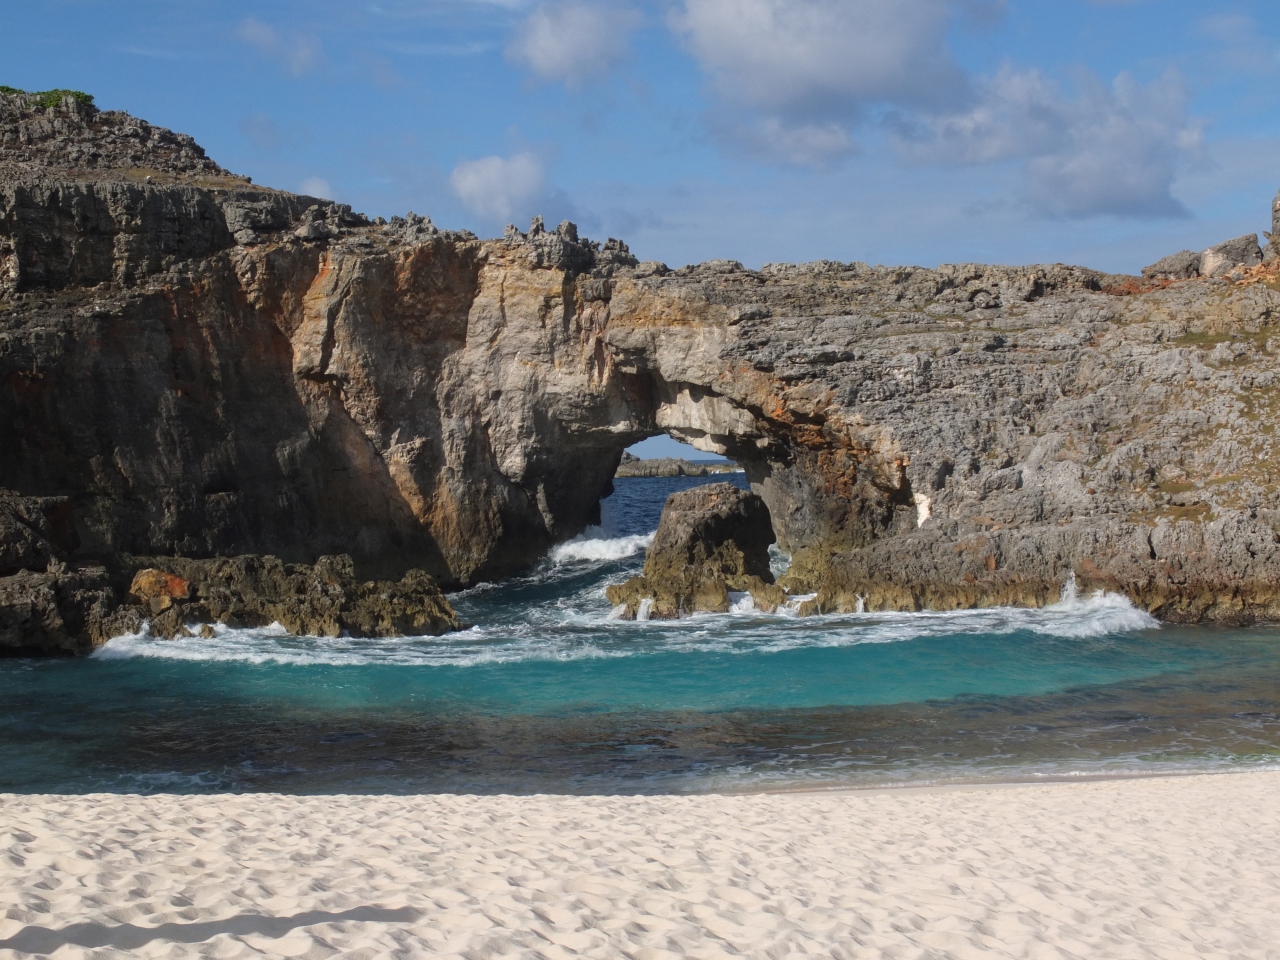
column 890, row 131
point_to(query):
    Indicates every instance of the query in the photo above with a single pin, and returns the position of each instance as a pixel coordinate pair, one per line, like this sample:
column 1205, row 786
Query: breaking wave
column 577, row 625
column 591, row 546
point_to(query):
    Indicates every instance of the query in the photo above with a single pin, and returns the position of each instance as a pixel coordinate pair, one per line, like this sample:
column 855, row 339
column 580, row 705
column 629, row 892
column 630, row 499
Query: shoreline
column 1147, row 867
column 806, row 790
column 802, row 790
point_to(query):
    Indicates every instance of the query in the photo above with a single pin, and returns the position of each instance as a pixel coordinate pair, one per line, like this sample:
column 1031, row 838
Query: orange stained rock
column 156, row 584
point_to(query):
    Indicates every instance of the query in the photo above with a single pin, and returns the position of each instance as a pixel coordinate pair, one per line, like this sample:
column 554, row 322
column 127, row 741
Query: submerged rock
column 323, row 599
column 712, row 540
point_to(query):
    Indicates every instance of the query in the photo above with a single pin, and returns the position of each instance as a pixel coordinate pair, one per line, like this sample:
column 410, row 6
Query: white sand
column 1185, row 867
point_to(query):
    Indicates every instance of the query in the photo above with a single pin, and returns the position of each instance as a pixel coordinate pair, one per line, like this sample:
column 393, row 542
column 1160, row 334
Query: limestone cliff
column 207, row 368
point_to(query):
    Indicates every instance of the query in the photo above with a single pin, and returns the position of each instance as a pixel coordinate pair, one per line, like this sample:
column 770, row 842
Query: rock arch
column 206, row 368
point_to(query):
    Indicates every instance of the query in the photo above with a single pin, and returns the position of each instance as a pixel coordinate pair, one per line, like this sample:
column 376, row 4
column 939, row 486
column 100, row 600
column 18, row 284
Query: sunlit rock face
column 207, row 368
column 713, row 541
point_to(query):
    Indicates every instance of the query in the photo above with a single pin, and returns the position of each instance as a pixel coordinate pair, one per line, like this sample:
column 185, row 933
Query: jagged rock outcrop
column 212, row 369
column 59, row 611
column 324, row 599
column 1183, row 265
column 712, row 540
column 1221, row 259
column 74, row 137
column 74, row 610
column 1218, row 261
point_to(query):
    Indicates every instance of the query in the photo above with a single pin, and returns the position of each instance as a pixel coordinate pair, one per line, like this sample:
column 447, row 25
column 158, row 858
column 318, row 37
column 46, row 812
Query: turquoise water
column 548, row 694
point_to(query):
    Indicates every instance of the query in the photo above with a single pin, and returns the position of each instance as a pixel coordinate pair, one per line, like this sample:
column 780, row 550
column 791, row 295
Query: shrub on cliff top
column 51, row 98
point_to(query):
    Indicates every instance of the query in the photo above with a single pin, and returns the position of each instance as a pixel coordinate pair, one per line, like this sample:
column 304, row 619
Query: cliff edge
column 201, row 367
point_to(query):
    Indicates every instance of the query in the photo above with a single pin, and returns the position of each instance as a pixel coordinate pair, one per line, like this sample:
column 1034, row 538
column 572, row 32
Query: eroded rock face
column 35, row 532
column 59, row 611
column 323, row 599
column 1221, row 259
column 1183, row 265
column 204, row 368
column 712, row 540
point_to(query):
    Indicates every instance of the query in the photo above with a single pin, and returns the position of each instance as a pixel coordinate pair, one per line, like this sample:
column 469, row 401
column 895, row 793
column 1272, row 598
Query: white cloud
column 297, row 53
column 1110, row 150
column 823, row 58
column 499, row 187
column 316, row 187
column 258, row 34
column 793, row 77
column 776, row 140
column 573, row 42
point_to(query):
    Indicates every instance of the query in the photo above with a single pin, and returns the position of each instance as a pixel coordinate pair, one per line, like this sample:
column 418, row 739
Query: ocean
column 548, row 694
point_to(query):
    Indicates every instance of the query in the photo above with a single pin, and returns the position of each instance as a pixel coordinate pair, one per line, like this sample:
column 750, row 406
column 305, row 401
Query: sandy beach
column 1179, row 867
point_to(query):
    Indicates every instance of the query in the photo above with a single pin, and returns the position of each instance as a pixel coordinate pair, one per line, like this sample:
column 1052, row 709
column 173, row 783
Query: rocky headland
column 633, row 466
column 192, row 366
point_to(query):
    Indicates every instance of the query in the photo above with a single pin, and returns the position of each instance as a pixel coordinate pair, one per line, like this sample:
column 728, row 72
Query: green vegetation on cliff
column 51, row 98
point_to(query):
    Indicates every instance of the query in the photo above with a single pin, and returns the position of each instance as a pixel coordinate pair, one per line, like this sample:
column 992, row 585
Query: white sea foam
column 591, row 546
column 580, row 627
column 792, row 607
column 470, row 648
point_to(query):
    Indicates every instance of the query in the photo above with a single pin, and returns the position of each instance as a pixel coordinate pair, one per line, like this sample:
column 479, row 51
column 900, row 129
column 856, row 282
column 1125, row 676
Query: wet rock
column 64, row 612
column 321, row 599
column 712, row 540
column 1178, row 570
column 158, row 590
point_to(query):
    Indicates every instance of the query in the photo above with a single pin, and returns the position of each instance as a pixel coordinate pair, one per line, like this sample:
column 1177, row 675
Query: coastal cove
column 546, row 694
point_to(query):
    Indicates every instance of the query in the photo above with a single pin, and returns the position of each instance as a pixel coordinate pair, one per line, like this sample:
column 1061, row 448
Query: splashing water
column 551, row 691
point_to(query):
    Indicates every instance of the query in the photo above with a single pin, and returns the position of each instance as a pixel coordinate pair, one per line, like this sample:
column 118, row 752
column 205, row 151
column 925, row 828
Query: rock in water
column 59, row 612
column 323, row 599
column 711, row 540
